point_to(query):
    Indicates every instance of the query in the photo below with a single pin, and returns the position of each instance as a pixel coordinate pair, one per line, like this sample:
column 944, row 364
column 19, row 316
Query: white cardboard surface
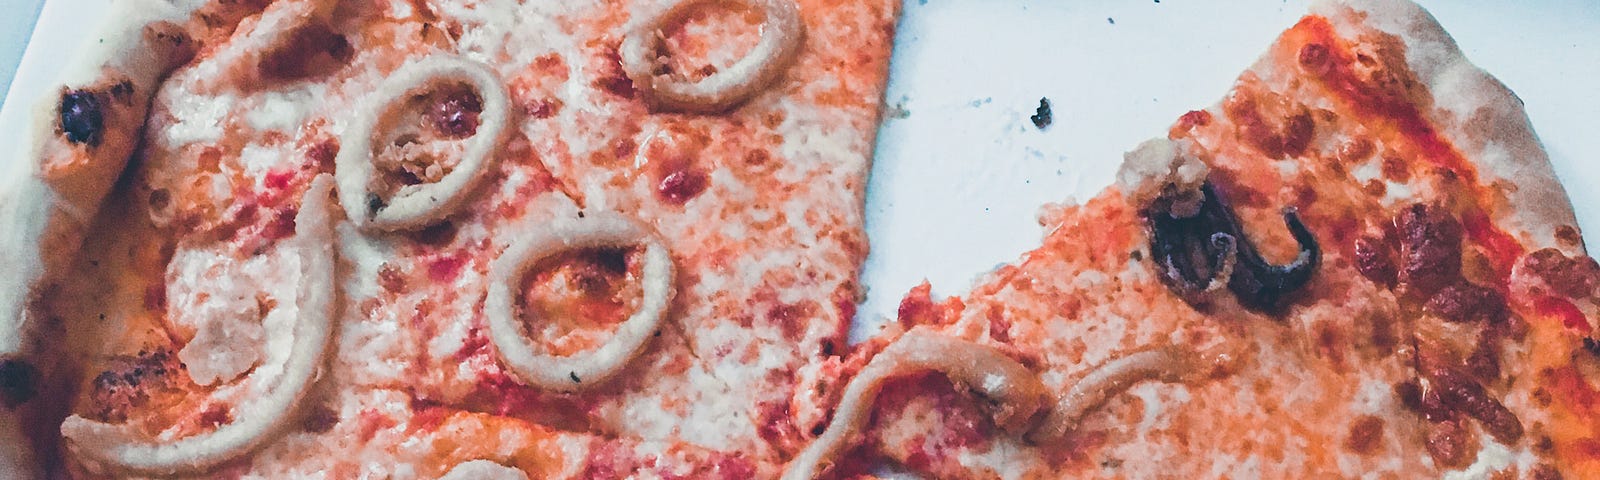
column 958, row 177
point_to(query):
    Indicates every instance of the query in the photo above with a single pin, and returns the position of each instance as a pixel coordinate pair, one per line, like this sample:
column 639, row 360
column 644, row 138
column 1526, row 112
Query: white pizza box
column 960, row 171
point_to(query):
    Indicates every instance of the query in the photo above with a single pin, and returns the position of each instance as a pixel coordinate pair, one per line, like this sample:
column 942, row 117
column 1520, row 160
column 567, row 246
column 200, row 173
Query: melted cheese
column 241, row 311
column 281, row 111
column 195, row 118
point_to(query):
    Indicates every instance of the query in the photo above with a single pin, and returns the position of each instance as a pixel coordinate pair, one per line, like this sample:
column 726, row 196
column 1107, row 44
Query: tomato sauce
column 1388, row 104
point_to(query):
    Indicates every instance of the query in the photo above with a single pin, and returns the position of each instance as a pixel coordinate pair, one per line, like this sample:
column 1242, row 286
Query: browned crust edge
column 1477, row 113
column 52, row 189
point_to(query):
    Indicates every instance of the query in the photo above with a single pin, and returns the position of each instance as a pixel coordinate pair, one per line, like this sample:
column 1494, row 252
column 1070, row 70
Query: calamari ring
column 117, row 447
column 1015, row 392
column 418, row 206
column 587, row 369
column 780, row 41
column 1167, row 364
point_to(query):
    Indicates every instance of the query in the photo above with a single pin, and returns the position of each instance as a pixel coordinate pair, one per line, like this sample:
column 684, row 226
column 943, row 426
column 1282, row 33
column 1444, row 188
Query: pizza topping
column 1275, row 125
column 1164, row 171
column 1313, row 58
column 1262, row 285
column 1014, row 393
column 1423, row 402
column 1446, row 395
column 1374, row 262
column 1550, row 272
column 1196, row 253
column 396, row 173
column 81, row 117
column 1465, row 395
column 641, row 55
column 680, row 186
column 117, row 447
column 1366, row 432
column 1430, row 248
column 1166, row 364
column 220, row 307
column 1450, row 445
column 18, row 382
column 1464, row 301
column 1197, row 243
column 587, row 369
column 669, row 155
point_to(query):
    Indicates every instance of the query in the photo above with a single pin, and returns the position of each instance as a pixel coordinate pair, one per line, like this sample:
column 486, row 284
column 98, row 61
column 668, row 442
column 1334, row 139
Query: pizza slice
column 1358, row 263
column 651, row 109
column 617, row 229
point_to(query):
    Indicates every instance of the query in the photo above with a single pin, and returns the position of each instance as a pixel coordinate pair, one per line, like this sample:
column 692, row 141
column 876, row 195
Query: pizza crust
column 48, row 199
column 1477, row 113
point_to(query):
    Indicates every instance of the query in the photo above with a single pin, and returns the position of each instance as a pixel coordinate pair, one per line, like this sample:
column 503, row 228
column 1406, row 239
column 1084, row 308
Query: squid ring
column 417, row 206
column 587, row 369
column 1014, row 391
column 781, row 36
column 116, row 447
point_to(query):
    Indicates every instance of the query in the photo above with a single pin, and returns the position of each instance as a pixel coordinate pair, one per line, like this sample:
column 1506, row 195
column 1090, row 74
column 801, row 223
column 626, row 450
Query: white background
column 957, row 180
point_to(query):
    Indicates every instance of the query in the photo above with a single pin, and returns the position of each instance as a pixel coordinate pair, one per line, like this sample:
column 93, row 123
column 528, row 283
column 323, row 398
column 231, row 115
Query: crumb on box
column 1042, row 116
column 897, row 110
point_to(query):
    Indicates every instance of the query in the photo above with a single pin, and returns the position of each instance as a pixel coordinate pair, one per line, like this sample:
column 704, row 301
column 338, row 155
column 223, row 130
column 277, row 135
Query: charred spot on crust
column 122, row 91
column 18, row 382
column 1194, row 253
column 82, row 117
column 1042, row 116
column 132, row 382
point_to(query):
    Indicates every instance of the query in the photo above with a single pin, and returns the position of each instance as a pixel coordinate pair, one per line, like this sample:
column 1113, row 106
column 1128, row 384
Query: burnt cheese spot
column 82, row 118
column 129, row 383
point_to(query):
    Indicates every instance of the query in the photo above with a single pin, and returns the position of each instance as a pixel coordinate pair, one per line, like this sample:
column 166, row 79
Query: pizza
column 486, row 239
column 428, row 239
column 1357, row 264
